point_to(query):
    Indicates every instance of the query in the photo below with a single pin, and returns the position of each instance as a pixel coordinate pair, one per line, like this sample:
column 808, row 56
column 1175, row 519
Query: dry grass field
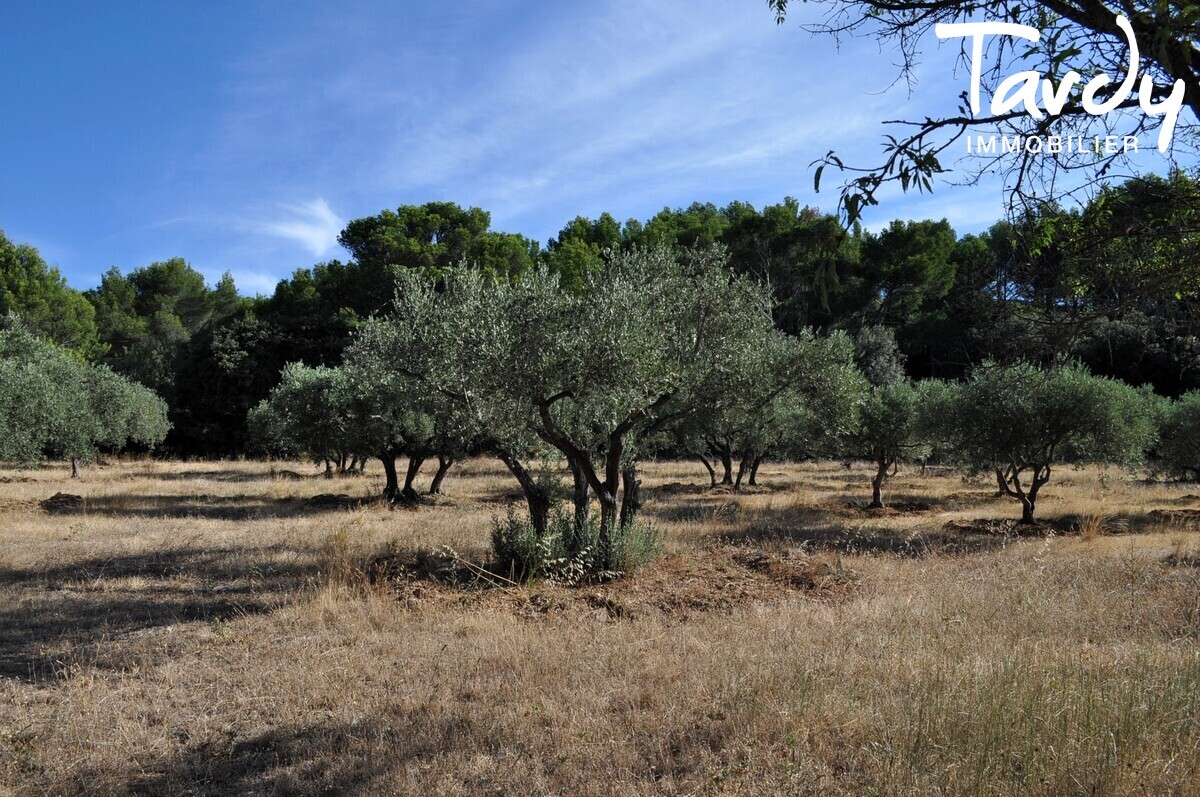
column 205, row 629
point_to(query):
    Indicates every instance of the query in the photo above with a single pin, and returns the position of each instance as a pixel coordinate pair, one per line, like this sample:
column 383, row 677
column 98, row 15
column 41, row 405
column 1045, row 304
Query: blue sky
column 241, row 136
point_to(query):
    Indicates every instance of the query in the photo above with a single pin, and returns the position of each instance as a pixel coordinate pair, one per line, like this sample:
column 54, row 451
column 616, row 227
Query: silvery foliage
column 51, row 404
column 587, row 372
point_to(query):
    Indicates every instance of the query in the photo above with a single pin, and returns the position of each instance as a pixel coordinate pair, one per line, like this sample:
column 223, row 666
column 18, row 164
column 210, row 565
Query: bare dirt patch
column 679, row 586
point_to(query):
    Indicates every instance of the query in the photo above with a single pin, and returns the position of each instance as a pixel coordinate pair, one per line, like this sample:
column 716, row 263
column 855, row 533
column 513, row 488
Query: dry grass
column 204, row 629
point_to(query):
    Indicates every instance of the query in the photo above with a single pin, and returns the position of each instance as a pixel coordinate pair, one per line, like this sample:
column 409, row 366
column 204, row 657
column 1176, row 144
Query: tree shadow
column 86, row 610
column 502, row 497
column 319, row 759
column 837, row 528
column 910, row 543
column 211, row 507
column 227, row 475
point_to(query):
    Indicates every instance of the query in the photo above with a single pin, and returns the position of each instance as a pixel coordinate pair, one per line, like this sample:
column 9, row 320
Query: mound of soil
column 506, row 497
column 63, row 502
column 896, row 508
column 1177, row 517
column 331, row 501
column 433, row 567
column 718, row 579
column 1011, row 527
column 680, row 488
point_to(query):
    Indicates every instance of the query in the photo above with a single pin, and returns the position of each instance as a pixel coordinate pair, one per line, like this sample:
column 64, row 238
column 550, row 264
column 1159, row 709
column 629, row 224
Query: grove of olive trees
column 725, row 335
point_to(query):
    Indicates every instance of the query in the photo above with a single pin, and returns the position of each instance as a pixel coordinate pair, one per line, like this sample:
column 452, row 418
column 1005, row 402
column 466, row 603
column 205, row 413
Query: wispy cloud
column 251, row 282
column 312, row 224
column 535, row 112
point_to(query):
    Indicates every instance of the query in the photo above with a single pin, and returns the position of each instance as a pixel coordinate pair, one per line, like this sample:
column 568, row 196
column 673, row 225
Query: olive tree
column 328, row 413
column 448, row 340
column 53, row 405
column 308, row 412
column 891, row 424
column 1178, row 448
column 592, row 373
column 786, row 393
column 644, row 343
column 1022, row 421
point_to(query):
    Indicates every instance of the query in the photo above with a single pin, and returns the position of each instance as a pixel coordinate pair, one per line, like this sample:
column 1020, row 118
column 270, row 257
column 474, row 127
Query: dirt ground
column 252, row 628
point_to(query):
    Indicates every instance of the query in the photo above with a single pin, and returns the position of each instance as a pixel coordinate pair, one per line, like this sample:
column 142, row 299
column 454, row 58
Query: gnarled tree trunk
column 391, row 489
column 743, row 469
column 536, row 498
column 1010, row 483
column 754, row 471
column 631, row 496
column 581, row 497
column 608, row 522
column 712, row 473
column 1002, row 482
column 881, row 472
column 726, row 457
column 414, row 467
column 444, row 465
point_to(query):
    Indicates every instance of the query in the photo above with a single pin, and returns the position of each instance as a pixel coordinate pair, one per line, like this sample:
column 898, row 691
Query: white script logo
column 1022, row 87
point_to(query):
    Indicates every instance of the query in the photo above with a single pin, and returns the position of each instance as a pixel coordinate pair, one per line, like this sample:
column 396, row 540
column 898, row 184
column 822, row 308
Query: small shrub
column 561, row 557
column 516, row 546
column 634, row 546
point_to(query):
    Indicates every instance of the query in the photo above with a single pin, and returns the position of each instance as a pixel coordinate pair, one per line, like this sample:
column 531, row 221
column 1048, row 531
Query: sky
column 242, row 136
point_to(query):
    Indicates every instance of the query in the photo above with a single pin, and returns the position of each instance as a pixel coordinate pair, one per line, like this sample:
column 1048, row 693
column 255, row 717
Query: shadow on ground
column 319, row 759
column 62, row 614
column 212, row 507
column 841, row 525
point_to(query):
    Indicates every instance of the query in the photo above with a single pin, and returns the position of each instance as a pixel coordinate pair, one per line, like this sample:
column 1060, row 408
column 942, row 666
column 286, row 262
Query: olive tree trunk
column 631, row 495
column 581, row 497
column 444, row 465
column 881, row 472
column 1010, row 481
column 391, row 489
column 726, row 457
column 743, row 470
column 536, row 498
column 414, row 467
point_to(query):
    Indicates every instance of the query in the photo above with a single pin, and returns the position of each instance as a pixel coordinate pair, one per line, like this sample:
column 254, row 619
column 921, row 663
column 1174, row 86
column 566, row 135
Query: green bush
column 1178, row 449
column 633, row 546
column 560, row 556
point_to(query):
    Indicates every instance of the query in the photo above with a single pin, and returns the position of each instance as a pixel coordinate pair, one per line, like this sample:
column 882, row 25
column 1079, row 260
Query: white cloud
column 312, row 224
column 252, row 282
